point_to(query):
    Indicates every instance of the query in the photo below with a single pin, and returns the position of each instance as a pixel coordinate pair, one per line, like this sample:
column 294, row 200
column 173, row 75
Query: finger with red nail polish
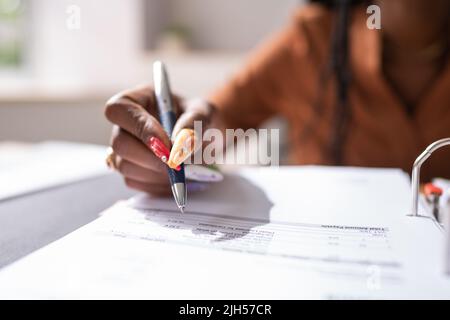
column 160, row 150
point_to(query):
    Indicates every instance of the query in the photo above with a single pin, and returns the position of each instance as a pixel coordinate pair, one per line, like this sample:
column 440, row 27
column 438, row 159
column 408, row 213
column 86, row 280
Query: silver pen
column 168, row 118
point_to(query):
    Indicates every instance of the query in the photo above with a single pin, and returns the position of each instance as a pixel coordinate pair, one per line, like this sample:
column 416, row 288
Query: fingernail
column 160, row 150
column 183, row 147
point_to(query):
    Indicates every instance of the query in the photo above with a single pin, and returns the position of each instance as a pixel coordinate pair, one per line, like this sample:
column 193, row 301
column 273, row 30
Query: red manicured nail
column 160, row 150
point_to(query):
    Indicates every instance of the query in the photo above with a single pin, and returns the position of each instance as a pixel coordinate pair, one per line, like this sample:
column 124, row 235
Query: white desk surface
column 33, row 220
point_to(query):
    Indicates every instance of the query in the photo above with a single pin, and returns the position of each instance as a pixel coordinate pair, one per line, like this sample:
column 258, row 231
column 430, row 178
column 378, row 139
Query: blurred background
column 61, row 60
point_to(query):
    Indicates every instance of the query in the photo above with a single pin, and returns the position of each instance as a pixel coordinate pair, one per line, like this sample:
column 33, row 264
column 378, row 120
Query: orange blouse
column 282, row 78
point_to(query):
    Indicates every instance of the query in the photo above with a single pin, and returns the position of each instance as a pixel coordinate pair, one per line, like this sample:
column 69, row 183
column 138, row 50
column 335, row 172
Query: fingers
column 183, row 146
column 195, row 110
column 134, row 119
column 141, row 169
column 135, row 172
column 135, row 116
column 156, row 190
column 144, row 96
column 185, row 140
column 130, row 148
column 141, row 95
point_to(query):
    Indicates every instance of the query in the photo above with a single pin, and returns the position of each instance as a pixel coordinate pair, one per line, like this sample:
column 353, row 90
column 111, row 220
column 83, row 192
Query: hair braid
column 337, row 67
column 340, row 68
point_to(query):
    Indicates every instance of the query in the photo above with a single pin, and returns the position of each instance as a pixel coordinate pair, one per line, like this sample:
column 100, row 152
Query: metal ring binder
column 415, row 184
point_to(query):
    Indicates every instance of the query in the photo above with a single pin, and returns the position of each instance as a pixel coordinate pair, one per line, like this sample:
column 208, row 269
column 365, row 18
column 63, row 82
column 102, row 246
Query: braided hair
column 338, row 67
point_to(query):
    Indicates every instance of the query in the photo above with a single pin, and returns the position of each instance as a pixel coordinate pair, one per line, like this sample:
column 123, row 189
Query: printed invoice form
column 334, row 234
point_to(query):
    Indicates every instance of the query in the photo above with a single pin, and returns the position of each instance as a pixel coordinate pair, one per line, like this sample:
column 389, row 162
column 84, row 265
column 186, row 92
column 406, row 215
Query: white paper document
column 244, row 238
column 359, row 245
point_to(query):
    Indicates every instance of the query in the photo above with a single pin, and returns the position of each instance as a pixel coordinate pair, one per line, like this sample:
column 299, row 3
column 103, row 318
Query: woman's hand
column 134, row 114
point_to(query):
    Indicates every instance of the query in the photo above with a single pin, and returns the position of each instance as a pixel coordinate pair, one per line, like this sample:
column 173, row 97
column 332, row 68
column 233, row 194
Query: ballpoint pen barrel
column 177, row 176
column 168, row 118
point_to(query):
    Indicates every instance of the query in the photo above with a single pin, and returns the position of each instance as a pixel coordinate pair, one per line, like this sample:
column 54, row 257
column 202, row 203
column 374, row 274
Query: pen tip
column 179, row 193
